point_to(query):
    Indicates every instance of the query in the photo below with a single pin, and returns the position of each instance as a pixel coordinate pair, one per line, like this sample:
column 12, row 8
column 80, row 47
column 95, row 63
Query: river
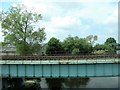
column 93, row 82
column 62, row 83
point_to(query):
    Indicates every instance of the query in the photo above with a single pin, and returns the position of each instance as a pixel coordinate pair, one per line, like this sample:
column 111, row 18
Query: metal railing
column 58, row 57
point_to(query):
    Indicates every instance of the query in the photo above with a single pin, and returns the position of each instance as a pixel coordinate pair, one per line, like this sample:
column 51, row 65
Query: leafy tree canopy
column 110, row 40
column 91, row 39
column 100, row 47
column 54, row 46
column 111, row 44
column 72, row 43
column 20, row 29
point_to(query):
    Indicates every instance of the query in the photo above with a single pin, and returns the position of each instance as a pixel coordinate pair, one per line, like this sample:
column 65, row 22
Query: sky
column 73, row 17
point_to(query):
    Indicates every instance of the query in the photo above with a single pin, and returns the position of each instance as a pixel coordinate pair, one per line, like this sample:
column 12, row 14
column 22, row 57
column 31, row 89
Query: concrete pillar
column 12, row 82
column 0, row 83
column 5, row 83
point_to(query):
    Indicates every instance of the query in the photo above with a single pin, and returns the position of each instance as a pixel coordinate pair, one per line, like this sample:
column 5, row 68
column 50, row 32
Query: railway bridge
column 35, row 66
column 59, row 66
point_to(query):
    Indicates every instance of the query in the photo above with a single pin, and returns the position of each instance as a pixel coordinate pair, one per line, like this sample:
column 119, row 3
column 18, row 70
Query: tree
column 100, row 47
column 75, row 51
column 20, row 29
column 110, row 40
column 111, row 44
column 91, row 39
column 3, row 43
column 70, row 44
column 54, row 46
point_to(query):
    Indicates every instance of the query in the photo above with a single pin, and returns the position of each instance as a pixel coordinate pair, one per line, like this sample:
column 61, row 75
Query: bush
column 75, row 51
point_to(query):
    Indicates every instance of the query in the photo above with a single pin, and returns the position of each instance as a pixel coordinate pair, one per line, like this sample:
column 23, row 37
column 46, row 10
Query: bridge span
column 72, row 66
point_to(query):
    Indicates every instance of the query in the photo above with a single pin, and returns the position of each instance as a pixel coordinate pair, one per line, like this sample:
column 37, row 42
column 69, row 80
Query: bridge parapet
column 62, row 57
column 79, row 59
column 84, row 61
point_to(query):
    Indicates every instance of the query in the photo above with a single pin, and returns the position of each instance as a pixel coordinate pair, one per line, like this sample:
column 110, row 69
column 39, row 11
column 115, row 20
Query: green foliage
column 71, row 43
column 23, row 48
column 108, row 47
column 75, row 51
column 91, row 39
column 3, row 43
column 111, row 45
column 68, row 44
column 110, row 40
column 100, row 47
column 19, row 25
column 54, row 46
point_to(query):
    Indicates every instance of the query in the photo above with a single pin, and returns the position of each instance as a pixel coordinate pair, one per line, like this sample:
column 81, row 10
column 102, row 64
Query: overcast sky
column 73, row 17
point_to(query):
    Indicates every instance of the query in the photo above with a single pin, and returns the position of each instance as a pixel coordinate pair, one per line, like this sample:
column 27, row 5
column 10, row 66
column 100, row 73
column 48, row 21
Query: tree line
column 76, row 46
column 20, row 30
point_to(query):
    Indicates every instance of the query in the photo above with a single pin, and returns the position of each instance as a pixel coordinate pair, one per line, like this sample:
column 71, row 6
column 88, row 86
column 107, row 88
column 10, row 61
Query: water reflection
column 59, row 83
column 93, row 82
column 55, row 83
column 103, row 82
column 75, row 82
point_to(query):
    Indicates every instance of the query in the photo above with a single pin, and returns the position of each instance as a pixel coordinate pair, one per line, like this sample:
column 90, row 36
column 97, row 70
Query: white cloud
column 82, row 1
column 61, row 19
column 67, row 21
column 10, row 1
column 101, row 12
column 97, row 12
column 113, row 18
column 38, row 7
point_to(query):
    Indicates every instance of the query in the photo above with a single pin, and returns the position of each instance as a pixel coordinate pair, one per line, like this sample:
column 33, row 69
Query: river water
column 63, row 83
column 93, row 82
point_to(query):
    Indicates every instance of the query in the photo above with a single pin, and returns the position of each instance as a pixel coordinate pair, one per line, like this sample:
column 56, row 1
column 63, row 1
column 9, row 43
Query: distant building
column 11, row 50
column 7, row 50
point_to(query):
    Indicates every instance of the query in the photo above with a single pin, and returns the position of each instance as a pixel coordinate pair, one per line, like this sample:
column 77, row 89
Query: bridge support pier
column 21, row 83
column 11, row 83
column 4, row 83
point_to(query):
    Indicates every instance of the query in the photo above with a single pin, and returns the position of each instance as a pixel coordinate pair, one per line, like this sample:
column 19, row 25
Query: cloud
column 79, row 17
column 81, row 1
column 113, row 18
column 67, row 21
column 97, row 12
column 10, row 1
column 38, row 7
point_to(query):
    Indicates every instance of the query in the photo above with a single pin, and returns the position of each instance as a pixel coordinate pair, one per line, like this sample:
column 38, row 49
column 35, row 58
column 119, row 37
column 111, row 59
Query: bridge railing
column 59, row 57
